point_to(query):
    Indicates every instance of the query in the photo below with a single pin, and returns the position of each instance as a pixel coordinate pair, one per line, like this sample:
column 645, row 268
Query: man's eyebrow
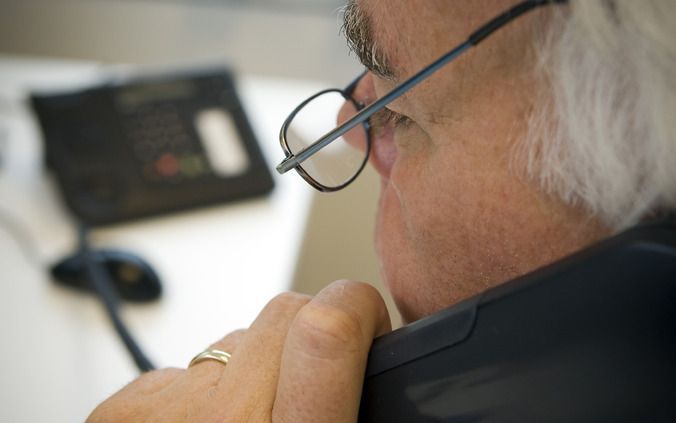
column 358, row 31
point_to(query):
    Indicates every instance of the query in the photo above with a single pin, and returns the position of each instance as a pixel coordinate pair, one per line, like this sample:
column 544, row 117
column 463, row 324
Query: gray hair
column 358, row 32
column 611, row 145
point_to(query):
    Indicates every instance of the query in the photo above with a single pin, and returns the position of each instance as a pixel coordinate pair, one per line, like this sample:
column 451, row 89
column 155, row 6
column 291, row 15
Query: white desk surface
column 219, row 265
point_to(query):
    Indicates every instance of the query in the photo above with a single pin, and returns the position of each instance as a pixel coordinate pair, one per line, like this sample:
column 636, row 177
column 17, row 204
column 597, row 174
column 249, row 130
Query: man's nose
column 363, row 94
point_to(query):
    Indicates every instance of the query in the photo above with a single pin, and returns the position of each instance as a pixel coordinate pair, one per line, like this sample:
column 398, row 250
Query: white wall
column 293, row 44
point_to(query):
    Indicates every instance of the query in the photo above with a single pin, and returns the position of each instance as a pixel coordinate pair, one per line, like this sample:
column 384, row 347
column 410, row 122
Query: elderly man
column 551, row 133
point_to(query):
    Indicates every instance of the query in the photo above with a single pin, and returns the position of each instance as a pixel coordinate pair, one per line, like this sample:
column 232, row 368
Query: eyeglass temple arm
column 499, row 21
column 296, row 159
column 475, row 38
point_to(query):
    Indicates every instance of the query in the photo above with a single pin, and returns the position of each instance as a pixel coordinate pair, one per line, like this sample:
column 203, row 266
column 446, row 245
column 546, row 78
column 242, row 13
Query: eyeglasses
column 330, row 159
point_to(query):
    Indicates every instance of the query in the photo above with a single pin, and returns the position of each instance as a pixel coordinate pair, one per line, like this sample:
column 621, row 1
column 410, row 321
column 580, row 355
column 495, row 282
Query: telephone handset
column 591, row 338
column 151, row 145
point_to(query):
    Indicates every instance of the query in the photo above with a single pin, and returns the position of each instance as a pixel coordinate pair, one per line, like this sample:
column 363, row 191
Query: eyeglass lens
column 340, row 161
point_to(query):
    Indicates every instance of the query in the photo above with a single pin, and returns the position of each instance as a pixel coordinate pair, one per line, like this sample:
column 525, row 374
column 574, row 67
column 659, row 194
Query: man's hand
column 302, row 360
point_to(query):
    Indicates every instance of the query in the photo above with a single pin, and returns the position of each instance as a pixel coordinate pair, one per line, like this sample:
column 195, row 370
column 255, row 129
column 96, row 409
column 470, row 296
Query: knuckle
column 236, row 333
column 327, row 329
column 166, row 372
column 114, row 410
column 355, row 289
column 361, row 297
column 230, row 341
column 287, row 301
column 155, row 380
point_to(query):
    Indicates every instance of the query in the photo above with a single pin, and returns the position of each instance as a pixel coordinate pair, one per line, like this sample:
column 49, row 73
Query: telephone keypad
column 162, row 146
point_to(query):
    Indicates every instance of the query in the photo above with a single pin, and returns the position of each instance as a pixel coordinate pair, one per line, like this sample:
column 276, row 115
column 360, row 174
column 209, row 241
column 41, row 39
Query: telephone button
column 193, row 165
column 167, row 165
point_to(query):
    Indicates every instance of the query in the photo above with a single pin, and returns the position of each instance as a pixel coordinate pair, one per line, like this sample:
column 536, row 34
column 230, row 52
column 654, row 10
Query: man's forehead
column 395, row 37
column 365, row 42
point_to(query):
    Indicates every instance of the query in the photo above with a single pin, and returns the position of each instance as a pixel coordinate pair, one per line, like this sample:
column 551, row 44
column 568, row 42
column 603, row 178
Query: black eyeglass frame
column 293, row 161
column 346, row 93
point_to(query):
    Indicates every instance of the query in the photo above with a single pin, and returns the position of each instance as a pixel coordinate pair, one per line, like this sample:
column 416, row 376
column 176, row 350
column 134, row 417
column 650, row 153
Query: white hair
column 611, row 145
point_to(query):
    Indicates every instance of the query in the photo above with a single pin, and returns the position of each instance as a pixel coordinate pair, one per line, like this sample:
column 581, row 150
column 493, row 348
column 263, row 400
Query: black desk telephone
column 151, row 145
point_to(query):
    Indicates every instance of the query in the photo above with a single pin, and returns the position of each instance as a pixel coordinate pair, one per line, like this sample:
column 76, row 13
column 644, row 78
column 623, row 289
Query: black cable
column 96, row 274
column 99, row 279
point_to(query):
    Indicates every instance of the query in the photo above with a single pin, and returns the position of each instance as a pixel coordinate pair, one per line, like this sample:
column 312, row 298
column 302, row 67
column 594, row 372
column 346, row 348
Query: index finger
column 324, row 357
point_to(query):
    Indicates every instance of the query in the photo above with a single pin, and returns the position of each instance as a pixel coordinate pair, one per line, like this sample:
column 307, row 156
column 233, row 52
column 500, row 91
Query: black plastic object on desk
column 151, row 145
column 589, row 339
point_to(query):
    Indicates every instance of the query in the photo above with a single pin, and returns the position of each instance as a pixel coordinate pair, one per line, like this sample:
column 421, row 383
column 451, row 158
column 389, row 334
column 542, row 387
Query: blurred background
column 298, row 39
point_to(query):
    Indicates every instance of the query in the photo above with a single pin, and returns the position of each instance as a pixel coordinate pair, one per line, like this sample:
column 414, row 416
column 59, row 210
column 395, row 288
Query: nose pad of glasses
column 362, row 90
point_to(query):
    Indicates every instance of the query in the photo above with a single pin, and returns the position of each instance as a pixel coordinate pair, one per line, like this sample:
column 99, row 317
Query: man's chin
column 390, row 249
column 399, row 288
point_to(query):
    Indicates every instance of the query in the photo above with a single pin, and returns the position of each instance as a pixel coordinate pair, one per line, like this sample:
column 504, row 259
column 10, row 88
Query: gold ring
column 211, row 354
